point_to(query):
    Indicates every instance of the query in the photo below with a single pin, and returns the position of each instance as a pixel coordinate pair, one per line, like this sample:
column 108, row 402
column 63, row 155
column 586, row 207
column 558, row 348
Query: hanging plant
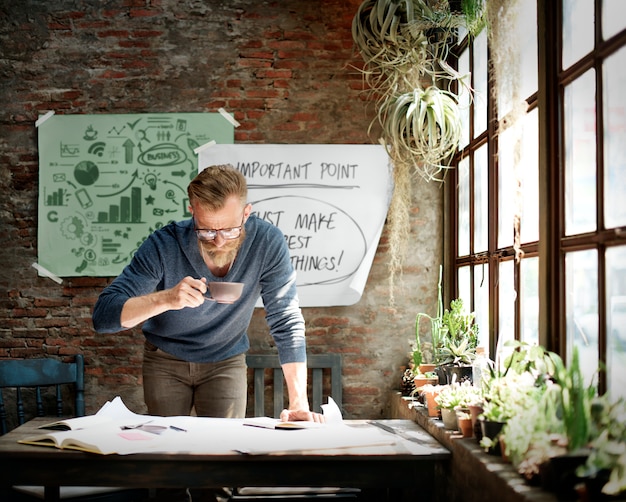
column 404, row 45
column 425, row 125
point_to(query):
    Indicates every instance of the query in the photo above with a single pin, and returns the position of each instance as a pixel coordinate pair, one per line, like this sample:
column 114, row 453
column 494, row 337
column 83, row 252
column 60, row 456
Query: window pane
column 581, row 309
column 529, row 269
column 616, row 321
column 507, row 186
column 613, row 20
column 614, row 132
column 506, row 300
column 530, row 179
column 464, row 100
column 463, row 215
column 481, row 201
column 520, row 65
column 480, row 83
column 464, row 287
column 481, row 303
column 578, row 25
column 580, row 155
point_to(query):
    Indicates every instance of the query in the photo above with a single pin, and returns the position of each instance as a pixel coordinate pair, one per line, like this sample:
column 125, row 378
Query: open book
column 83, row 439
column 275, row 423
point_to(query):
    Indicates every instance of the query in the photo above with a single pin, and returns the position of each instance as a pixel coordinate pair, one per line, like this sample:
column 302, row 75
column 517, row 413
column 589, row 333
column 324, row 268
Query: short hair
column 213, row 185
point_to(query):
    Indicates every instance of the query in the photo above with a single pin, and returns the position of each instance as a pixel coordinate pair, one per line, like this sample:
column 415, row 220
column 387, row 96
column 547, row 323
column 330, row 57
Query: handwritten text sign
column 330, row 201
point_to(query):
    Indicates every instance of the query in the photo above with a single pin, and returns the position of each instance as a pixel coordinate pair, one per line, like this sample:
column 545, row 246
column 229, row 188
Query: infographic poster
column 107, row 181
column 330, row 201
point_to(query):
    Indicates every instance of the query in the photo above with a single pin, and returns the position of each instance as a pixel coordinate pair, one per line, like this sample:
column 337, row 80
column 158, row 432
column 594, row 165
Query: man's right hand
column 189, row 292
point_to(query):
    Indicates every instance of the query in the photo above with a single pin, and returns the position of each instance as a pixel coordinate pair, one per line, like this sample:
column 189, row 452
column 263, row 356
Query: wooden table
column 402, row 471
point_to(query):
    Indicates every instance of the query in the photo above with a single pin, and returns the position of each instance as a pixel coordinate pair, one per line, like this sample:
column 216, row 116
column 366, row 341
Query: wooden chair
column 318, row 364
column 322, row 367
column 40, row 376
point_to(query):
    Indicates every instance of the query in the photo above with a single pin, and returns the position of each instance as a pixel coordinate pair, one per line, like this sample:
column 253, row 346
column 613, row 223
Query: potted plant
column 453, row 398
column 458, row 345
column 427, row 352
column 605, row 468
column 430, row 393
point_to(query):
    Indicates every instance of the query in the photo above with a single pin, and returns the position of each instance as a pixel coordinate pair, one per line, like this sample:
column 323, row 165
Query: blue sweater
column 211, row 332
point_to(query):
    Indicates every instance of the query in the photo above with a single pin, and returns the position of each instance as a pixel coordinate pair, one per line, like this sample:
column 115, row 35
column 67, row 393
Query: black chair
column 325, row 380
column 49, row 383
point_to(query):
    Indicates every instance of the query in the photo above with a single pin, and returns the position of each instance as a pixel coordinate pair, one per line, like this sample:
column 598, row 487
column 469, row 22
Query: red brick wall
column 286, row 69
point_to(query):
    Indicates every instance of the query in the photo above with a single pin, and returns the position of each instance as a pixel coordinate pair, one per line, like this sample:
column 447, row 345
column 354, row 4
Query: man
column 194, row 354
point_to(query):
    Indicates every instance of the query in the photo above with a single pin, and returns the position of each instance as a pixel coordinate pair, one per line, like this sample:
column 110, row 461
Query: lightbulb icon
column 150, row 179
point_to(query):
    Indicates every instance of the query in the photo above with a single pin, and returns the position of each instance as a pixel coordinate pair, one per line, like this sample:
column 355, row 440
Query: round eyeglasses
column 209, row 234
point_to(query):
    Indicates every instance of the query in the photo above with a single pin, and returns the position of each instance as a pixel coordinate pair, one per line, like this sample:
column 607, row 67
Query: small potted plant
column 459, row 342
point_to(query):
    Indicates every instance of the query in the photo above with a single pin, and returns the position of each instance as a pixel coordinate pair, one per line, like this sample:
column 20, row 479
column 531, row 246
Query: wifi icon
column 97, row 148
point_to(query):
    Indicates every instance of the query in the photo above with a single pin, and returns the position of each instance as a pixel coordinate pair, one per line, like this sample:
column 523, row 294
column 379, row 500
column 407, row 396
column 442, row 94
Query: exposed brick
column 289, row 76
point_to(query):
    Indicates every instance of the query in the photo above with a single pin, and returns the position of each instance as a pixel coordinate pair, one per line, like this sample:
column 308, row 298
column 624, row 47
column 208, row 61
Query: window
column 537, row 199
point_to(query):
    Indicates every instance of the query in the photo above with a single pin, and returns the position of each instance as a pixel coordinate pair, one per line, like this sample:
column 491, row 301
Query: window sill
column 474, row 475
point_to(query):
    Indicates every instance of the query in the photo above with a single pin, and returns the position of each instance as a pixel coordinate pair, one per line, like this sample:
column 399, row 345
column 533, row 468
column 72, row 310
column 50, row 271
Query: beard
column 225, row 255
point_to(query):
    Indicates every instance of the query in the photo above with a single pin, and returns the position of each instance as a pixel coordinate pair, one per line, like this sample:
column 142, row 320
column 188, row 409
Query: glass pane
column 580, row 155
column 481, row 201
column 464, row 287
column 481, row 304
column 581, row 309
column 518, row 76
column 578, row 25
column 614, row 79
column 464, row 214
column 464, row 100
column 507, row 186
column 613, row 20
column 506, row 305
column 529, row 300
column 530, row 178
column 616, row 321
column 481, row 89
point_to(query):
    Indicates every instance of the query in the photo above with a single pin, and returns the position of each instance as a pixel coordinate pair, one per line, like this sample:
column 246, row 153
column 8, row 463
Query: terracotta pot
column 475, row 410
column 421, row 380
column 433, row 407
column 427, row 368
column 465, row 426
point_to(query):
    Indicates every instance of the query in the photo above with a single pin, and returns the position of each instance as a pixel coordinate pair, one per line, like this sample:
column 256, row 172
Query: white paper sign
column 330, row 201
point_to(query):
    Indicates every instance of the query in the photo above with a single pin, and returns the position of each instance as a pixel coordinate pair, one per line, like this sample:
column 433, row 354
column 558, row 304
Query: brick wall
column 286, row 69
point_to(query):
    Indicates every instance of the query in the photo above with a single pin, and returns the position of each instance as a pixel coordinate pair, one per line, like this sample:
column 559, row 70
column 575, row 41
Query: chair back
column 324, row 381
column 40, row 374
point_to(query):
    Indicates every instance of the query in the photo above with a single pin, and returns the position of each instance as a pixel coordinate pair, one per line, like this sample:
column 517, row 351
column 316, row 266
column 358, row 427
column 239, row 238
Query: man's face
column 221, row 250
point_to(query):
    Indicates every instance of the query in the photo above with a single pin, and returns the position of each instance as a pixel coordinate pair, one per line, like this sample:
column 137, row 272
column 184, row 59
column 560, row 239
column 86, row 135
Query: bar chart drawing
column 56, row 198
column 127, row 211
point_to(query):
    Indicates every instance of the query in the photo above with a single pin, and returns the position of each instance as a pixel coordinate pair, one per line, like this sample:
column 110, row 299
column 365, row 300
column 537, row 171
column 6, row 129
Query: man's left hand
column 301, row 415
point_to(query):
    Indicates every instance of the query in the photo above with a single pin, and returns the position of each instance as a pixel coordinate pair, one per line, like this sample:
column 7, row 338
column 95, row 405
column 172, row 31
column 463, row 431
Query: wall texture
column 287, row 69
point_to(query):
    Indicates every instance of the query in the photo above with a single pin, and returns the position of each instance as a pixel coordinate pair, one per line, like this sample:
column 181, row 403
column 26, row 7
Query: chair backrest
column 40, row 374
column 320, row 365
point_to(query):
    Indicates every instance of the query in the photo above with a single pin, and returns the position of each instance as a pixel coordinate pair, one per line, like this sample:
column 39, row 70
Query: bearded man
column 194, row 354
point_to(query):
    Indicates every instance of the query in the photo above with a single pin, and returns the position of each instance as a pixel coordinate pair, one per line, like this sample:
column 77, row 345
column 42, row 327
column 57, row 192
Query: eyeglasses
column 209, row 234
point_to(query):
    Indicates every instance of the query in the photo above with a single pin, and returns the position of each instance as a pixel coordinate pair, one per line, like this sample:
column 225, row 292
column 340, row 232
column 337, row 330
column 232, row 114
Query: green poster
column 107, row 181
